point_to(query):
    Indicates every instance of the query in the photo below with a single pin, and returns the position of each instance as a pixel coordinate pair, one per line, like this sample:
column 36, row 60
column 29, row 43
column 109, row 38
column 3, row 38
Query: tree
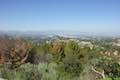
column 72, row 48
column 39, row 53
column 107, row 67
column 57, row 50
column 14, row 51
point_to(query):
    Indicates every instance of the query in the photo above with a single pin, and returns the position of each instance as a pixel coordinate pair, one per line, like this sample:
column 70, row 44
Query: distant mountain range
column 44, row 34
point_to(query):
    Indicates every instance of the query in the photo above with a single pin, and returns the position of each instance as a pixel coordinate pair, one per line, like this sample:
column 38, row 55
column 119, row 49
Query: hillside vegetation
column 59, row 59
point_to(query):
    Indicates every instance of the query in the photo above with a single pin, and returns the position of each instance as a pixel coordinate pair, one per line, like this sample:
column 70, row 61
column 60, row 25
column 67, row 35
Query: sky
column 97, row 16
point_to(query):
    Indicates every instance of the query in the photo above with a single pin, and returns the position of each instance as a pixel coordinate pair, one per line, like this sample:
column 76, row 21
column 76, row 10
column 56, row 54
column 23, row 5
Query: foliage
column 39, row 53
column 57, row 50
column 14, row 51
column 111, row 78
column 58, row 60
column 72, row 48
column 25, row 72
column 71, row 66
column 111, row 68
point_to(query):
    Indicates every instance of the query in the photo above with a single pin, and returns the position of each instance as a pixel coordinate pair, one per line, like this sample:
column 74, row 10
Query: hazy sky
column 77, row 15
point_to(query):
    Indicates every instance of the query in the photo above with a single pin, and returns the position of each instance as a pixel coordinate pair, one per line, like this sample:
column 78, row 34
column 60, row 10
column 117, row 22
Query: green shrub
column 25, row 72
column 118, row 78
column 48, row 71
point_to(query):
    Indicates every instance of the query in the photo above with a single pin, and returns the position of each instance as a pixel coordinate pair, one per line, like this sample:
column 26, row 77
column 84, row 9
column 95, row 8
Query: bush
column 110, row 67
column 39, row 53
column 112, row 78
column 25, row 72
column 71, row 66
column 48, row 71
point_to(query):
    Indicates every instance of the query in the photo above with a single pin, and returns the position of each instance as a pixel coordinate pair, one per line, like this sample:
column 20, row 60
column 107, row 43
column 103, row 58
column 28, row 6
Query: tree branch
column 98, row 72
